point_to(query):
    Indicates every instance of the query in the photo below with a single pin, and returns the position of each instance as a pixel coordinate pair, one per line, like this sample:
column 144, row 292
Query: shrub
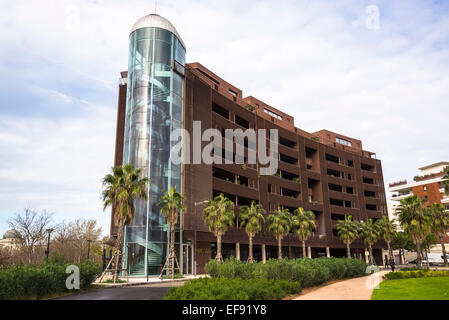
column 230, row 269
column 420, row 273
column 308, row 272
column 233, row 289
column 27, row 282
column 409, row 269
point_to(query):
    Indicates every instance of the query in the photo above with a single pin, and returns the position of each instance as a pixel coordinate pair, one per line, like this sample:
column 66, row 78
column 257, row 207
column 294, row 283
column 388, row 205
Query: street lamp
column 194, row 236
column 88, row 248
column 47, row 252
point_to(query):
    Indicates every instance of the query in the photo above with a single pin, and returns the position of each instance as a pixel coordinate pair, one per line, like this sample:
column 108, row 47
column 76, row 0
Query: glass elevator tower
column 154, row 108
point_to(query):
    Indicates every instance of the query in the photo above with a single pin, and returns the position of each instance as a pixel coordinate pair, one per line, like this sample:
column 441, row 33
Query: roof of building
column 434, row 165
column 156, row 21
column 11, row 234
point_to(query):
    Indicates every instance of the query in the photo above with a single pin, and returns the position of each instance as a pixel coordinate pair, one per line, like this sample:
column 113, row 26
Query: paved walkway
column 152, row 291
column 353, row 289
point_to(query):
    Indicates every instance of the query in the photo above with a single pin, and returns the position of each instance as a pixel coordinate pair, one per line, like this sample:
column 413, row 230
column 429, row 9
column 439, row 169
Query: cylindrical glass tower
column 153, row 109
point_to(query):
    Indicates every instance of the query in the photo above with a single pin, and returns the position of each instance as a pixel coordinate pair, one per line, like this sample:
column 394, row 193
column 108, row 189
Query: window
column 367, row 167
column 332, row 158
column 241, row 122
column 220, row 110
column 271, row 113
column 343, row 141
column 233, row 93
column 425, row 188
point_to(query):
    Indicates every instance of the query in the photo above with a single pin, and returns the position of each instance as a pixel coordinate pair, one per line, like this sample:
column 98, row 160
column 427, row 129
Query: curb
column 132, row 284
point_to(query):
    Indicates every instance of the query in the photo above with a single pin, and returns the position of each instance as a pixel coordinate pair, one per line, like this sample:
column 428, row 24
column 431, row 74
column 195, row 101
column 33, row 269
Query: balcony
column 396, row 184
column 230, row 187
column 396, row 197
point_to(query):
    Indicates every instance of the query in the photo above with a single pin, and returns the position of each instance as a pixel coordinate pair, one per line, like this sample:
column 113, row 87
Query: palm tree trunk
column 371, row 258
column 119, row 244
column 303, row 249
column 418, row 252
column 279, row 248
column 219, row 257
column 348, row 251
column 250, row 253
column 444, row 250
column 171, row 270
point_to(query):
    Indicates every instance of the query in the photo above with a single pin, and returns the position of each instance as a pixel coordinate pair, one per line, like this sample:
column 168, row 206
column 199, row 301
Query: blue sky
column 316, row 60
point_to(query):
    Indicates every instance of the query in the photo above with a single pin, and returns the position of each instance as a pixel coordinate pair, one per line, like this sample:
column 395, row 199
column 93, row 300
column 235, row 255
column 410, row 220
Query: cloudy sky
column 324, row 62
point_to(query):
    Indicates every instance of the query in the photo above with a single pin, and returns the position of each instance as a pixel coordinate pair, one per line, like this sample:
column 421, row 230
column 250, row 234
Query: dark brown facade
column 331, row 178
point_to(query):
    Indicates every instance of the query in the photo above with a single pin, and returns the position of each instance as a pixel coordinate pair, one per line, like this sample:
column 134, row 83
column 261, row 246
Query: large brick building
column 325, row 172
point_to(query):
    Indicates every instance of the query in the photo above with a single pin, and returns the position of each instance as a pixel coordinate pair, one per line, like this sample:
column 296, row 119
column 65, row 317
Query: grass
column 413, row 289
column 112, row 281
column 177, row 276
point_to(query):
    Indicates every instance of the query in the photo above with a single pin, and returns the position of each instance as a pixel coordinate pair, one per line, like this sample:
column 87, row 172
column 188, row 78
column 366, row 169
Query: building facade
column 427, row 185
column 325, row 172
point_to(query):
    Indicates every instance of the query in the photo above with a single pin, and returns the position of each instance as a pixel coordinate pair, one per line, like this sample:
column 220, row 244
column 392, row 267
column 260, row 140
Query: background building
column 9, row 239
column 428, row 185
column 325, row 172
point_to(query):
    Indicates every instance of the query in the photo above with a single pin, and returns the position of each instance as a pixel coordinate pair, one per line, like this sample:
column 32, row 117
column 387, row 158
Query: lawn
column 436, row 288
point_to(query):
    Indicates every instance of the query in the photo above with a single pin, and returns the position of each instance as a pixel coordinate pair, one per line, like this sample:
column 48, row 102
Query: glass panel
column 154, row 108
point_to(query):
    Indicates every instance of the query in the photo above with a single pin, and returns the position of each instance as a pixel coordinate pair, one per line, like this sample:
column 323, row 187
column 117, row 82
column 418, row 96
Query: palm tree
column 121, row 187
column 440, row 225
column 348, row 231
column 219, row 215
column 171, row 203
column 369, row 233
column 415, row 221
column 303, row 222
column 279, row 224
column 388, row 231
column 252, row 219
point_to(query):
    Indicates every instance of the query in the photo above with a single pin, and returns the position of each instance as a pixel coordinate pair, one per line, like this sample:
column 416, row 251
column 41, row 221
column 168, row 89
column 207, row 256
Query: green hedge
column 233, row 289
column 308, row 272
column 29, row 282
column 421, row 273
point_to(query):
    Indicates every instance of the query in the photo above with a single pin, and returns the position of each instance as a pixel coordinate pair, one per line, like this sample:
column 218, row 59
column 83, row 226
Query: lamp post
column 194, row 237
column 47, row 252
column 88, row 248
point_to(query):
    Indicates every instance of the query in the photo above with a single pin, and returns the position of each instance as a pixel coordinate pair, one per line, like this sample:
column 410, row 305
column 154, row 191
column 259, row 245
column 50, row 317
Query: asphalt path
column 144, row 292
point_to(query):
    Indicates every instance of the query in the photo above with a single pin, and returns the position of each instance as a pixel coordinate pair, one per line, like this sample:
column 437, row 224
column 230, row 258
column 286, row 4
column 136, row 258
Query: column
column 328, row 252
column 309, row 252
column 237, row 250
column 264, row 254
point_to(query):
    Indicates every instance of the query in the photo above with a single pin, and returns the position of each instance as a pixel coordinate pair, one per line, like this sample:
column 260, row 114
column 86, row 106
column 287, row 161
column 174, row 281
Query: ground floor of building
column 141, row 260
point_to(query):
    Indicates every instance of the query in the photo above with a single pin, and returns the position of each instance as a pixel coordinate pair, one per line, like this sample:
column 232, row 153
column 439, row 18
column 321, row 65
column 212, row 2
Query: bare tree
column 73, row 240
column 6, row 257
column 31, row 227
